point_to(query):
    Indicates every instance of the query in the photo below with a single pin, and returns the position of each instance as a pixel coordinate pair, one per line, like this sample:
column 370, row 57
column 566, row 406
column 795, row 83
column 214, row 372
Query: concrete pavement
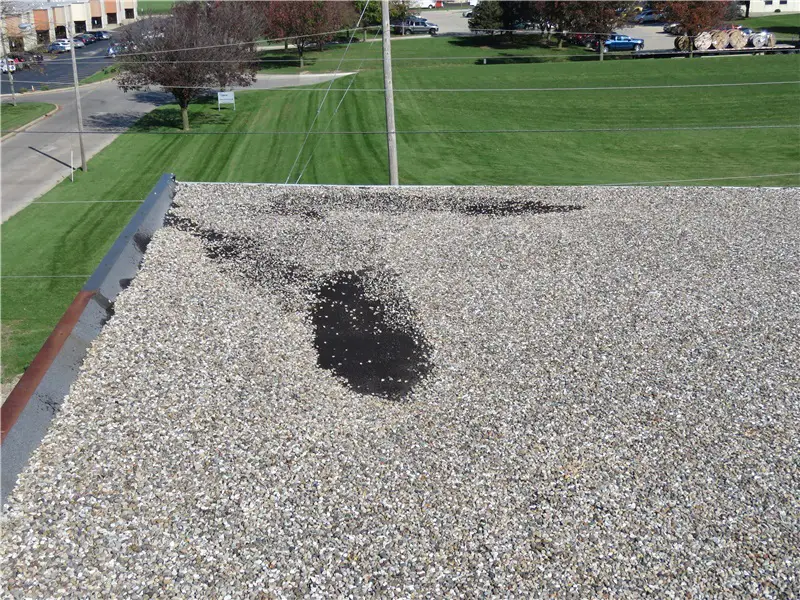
column 34, row 161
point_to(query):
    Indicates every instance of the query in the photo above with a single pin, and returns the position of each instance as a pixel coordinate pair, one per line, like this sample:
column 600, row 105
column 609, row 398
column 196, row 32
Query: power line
column 430, row 131
column 44, row 276
column 394, row 59
column 479, row 90
column 738, row 177
column 333, row 116
column 322, row 102
column 243, row 43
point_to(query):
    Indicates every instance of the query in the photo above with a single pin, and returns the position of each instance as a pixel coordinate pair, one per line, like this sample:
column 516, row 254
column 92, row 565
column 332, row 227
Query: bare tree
column 200, row 46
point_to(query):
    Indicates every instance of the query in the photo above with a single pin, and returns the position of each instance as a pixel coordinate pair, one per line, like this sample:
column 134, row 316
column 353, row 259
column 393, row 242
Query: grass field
column 778, row 23
column 102, row 75
column 155, row 7
column 416, row 53
column 14, row 117
column 56, row 237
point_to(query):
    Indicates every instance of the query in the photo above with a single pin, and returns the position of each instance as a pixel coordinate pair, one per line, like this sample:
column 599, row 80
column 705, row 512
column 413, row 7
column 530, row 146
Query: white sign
column 226, row 98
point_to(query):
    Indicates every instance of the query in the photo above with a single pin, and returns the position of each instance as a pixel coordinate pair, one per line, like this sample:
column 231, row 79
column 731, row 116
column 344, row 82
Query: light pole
column 5, row 62
column 70, row 36
column 391, row 130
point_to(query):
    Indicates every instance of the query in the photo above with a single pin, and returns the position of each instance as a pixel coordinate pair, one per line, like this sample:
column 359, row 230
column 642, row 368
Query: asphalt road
column 35, row 160
column 57, row 69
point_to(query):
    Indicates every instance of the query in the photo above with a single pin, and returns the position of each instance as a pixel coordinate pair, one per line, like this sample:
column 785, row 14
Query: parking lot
column 452, row 22
column 57, row 69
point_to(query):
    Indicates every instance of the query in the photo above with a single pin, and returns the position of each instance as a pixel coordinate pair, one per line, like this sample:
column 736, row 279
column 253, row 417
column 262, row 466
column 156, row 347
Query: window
column 767, row 2
column 61, row 32
column 42, row 37
column 129, row 13
column 112, row 18
column 80, row 26
column 97, row 22
column 783, row 2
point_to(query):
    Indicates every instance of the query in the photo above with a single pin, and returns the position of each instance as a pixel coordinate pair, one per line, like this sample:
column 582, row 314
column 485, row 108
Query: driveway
column 34, row 161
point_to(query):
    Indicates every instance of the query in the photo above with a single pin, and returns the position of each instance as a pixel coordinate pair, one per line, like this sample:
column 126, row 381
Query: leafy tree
column 200, row 46
column 398, row 9
column 487, row 16
column 696, row 17
column 599, row 18
column 308, row 22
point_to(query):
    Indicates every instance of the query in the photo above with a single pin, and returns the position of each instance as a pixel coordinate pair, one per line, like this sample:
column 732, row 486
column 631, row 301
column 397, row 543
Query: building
column 761, row 7
column 27, row 25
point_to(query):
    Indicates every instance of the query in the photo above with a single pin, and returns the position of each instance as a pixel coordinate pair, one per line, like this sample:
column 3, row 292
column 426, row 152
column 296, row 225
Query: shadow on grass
column 270, row 60
column 501, row 42
column 169, row 117
column 511, row 59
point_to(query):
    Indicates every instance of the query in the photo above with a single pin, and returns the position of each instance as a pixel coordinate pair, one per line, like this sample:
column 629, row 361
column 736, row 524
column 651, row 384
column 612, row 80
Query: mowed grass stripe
column 51, row 239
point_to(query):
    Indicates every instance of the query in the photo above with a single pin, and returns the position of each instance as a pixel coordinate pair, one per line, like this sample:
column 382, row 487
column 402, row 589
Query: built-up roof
column 537, row 392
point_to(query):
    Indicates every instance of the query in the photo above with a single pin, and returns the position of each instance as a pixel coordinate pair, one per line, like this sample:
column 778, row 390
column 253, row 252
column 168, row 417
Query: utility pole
column 70, row 36
column 5, row 61
column 391, row 131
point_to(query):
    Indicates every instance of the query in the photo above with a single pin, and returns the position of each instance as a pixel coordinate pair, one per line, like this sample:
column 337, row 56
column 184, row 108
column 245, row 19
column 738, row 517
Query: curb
column 35, row 401
column 32, row 123
column 63, row 88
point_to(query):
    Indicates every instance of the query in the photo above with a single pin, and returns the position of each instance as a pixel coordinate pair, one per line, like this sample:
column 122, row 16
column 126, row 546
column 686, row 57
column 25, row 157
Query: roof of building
column 422, row 391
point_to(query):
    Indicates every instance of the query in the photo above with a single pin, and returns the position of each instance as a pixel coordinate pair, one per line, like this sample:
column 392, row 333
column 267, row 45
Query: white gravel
column 612, row 409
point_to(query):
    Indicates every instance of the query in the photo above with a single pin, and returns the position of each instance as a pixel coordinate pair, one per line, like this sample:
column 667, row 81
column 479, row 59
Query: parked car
column 87, row 38
column 616, row 41
column 587, row 40
column 414, row 25
column 59, row 46
column 648, row 16
column 25, row 60
column 101, row 35
column 466, row 13
column 7, row 65
column 78, row 42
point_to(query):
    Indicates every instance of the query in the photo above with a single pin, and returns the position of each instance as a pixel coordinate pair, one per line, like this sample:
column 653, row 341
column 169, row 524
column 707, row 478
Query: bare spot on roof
column 368, row 338
column 511, row 207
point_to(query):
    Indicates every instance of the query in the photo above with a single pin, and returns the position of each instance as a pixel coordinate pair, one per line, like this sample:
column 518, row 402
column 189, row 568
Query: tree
column 201, row 45
column 487, row 16
column 515, row 12
column 696, row 17
column 599, row 18
column 398, row 9
column 309, row 22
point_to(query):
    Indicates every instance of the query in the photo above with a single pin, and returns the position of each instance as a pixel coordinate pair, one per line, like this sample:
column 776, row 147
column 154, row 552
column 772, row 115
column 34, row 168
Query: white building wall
column 761, row 7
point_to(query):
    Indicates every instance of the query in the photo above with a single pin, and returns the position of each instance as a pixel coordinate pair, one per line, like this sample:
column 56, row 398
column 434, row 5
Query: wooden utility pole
column 391, row 131
column 70, row 36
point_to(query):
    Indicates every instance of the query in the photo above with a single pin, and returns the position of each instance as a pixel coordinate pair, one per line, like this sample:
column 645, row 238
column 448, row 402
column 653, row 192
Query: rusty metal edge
column 30, row 380
column 33, row 403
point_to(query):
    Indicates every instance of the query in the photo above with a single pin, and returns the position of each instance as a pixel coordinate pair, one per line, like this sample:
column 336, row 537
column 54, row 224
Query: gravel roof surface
column 598, row 396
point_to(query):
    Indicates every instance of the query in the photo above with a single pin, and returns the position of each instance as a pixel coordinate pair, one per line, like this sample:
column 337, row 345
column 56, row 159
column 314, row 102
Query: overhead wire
column 429, row 131
column 477, row 90
column 322, row 102
column 333, row 116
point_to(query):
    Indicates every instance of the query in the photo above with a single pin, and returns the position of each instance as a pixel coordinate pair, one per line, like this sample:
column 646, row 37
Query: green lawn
column 102, row 75
column 69, row 239
column 155, row 7
column 14, row 117
column 411, row 52
column 785, row 27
